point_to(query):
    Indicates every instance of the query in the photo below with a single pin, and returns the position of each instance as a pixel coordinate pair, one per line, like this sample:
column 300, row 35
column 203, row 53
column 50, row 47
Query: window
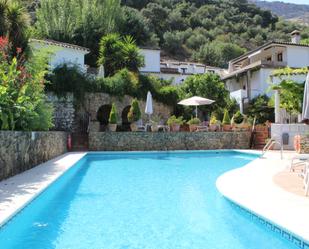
column 279, row 57
column 268, row 58
column 183, row 70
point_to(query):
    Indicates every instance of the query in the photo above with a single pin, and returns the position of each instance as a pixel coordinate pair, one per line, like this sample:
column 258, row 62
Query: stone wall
column 137, row 141
column 20, row 151
column 93, row 101
column 64, row 111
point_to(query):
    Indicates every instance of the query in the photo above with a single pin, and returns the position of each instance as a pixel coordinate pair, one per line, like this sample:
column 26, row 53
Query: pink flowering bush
column 23, row 104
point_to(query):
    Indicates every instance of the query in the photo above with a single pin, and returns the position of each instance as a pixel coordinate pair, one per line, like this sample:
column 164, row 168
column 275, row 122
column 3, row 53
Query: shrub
column 135, row 113
column 23, row 105
column 226, row 118
column 113, row 115
column 238, row 117
column 194, row 121
column 213, row 120
column 260, row 109
column 173, row 120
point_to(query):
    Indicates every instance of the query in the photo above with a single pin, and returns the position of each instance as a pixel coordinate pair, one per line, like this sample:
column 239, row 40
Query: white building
column 177, row 71
column 62, row 53
column 249, row 75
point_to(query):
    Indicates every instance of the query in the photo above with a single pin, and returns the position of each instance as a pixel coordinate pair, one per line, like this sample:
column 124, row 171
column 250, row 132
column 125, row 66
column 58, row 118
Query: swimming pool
column 140, row 201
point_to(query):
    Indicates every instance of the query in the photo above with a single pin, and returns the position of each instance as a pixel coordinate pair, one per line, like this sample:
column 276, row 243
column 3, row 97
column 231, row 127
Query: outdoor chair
column 305, row 175
column 298, row 161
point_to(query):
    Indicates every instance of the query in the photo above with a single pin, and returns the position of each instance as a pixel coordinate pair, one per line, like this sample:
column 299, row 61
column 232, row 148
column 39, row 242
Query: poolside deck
column 259, row 187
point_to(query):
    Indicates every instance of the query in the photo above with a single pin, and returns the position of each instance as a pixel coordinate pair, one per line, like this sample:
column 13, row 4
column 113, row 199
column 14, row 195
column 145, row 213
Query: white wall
column 297, row 56
column 61, row 55
column 292, row 129
column 152, row 61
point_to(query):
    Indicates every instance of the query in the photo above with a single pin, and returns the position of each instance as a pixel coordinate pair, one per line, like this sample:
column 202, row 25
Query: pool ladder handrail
column 270, row 143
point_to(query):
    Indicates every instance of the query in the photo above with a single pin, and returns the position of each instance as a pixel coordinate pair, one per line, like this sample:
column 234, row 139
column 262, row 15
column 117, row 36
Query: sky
column 292, row 1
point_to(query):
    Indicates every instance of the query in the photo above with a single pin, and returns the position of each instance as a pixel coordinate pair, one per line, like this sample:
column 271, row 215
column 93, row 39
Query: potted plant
column 213, row 123
column 226, row 122
column 237, row 119
column 112, row 121
column 134, row 115
column 155, row 123
column 175, row 122
column 193, row 123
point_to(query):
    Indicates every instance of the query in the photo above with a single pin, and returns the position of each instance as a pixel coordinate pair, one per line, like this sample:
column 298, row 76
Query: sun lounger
column 305, row 175
column 298, row 160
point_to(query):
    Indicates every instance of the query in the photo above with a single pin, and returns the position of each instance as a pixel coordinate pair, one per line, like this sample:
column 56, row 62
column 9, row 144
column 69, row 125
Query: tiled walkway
column 253, row 187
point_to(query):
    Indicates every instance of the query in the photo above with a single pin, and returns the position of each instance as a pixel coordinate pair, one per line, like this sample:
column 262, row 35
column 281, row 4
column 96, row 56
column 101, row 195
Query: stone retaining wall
column 137, row 141
column 20, row 151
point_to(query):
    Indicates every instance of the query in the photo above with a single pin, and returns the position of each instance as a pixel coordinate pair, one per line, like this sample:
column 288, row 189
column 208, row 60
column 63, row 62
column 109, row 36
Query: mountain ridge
column 290, row 11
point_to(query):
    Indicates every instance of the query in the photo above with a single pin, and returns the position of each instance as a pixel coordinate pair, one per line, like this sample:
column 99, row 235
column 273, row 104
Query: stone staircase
column 260, row 136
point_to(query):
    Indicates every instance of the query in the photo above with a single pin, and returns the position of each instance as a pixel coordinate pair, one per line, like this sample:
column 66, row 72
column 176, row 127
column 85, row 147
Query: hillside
column 293, row 12
column 209, row 31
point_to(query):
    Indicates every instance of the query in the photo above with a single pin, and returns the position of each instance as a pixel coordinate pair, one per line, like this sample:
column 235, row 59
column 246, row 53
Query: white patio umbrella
column 196, row 101
column 149, row 108
column 306, row 101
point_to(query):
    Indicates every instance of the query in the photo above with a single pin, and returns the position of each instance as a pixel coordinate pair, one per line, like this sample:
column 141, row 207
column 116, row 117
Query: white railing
column 269, row 144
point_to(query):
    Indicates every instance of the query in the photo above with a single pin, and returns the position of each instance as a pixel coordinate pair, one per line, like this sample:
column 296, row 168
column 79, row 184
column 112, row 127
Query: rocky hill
column 290, row 11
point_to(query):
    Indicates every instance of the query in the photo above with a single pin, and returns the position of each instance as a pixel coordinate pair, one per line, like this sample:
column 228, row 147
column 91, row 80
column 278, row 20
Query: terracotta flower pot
column 133, row 127
column 154, row 128
column 227, row 127
column 192, row 127
column 213, row 127
column 175, row 127
column 112, row 127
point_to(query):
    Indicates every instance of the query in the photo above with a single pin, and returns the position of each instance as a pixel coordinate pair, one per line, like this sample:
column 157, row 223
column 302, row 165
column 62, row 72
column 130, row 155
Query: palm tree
column 14, row 21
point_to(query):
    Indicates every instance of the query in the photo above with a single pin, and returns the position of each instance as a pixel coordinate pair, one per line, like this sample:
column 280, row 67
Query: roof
column 181, row 62
column 61, row 44
column 268, row 44
column 169, row 70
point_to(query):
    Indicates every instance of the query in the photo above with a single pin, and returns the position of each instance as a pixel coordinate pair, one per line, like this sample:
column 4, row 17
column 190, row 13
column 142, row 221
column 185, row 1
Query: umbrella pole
column 196, row 111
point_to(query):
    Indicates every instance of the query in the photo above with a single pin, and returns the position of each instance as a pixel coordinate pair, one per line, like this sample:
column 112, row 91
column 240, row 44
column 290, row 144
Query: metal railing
column 270, row 143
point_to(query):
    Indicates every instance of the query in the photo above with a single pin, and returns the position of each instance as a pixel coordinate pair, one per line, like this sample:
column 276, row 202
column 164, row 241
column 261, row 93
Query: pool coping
column 251, row 187
column 18, row 191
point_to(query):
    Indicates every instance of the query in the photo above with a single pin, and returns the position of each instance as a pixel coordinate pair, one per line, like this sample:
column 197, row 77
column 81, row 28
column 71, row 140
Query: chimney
column 295, row 36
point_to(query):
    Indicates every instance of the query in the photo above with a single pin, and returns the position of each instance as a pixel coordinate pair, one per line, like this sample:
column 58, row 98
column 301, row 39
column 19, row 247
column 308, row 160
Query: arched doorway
column 103, row 115
column 124, row 118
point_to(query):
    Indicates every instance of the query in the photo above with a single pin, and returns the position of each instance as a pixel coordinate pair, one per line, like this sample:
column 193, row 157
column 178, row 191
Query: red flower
column 4, row 41
column 18, row 50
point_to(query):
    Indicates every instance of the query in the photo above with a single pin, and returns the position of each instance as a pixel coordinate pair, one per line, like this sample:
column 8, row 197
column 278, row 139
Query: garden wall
column 20, row 151
column 137, row 141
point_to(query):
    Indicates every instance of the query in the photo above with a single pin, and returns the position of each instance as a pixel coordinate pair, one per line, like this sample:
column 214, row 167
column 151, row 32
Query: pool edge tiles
column 18, row 191
column 251, row 188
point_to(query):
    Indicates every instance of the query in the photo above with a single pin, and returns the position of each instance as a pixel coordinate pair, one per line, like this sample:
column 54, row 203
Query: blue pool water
column 140, row 201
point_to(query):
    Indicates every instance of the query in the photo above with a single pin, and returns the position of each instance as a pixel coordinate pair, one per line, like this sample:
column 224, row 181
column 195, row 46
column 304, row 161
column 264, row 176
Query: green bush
column 238, row 118
column 260, row 109
column 113, row 115
column 134, row 113
column 23, row 105
column 173, row 120
column 194, row 121
column 69, row 78
column 226, row 118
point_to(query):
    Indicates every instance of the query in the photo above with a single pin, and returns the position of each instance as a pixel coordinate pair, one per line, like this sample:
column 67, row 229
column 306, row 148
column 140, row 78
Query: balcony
column 257, row 64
